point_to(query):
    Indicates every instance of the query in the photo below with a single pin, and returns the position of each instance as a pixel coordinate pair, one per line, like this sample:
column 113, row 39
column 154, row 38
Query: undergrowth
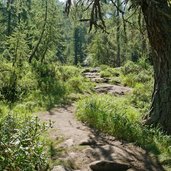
column 24, row 91
column 21, row 146
column 116, row 116
column 138, row 76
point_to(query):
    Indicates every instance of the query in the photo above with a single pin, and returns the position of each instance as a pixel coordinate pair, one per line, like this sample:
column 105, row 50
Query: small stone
column 104, row 165
column 96, row 69
column 133, row 169
column 88, row 141
column 98, row 80
column 59, row 168
column 68, row 143
column 73, row 155
column 91, row 154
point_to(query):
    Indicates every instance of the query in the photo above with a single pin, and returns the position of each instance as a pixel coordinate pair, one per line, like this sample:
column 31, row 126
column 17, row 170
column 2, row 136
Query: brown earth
column 82, row 146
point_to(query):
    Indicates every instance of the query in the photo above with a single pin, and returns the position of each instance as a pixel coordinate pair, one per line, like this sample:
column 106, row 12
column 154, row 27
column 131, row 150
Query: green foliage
column 115, row 81
column 141, row 97
column 114, row 74
column 66, row 72
column 101, row 51
column 109, row 72
column 16, row 46
column 116, row 116
column 130, row 67
column 101, row 112
column 79, row 85
column 21, row 147
column 9, row 90
column 39, row 27
column 133, row 73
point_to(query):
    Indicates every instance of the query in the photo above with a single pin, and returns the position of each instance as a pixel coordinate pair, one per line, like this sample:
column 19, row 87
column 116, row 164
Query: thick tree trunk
column 157, row 16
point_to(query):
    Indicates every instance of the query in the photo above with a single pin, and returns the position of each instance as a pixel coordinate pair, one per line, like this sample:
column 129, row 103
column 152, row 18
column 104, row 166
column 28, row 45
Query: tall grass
column 116, row 116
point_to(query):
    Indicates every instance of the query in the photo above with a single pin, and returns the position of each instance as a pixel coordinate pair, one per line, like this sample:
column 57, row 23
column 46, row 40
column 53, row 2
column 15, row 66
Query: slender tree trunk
column 9, row 2
column 143, row 37
column 157, row 16
column 118, row 59
column 76, row 45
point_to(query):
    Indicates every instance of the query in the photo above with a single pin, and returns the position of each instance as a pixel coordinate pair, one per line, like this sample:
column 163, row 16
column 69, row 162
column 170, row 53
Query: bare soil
column 83, row 145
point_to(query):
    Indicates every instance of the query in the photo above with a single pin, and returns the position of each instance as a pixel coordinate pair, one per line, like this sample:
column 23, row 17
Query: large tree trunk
column 157, row 16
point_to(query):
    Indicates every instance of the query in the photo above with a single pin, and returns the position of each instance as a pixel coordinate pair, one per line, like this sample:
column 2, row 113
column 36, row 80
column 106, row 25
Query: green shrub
column 144, row 63
column 103, row 67
column 51, row 89
column 143, row 77
column 110, row 72
column 21, row 146
column 66, row 72
column 75, row 84
column 130, row 67
column 141, row 96
column 105, row 73
column 85, row 69
column 79, row 84
column 129, row 80
column 9, row 90
column 116, row 116
column 16, row 82
column 115, row 80
column 106, row 113
column 133, row 74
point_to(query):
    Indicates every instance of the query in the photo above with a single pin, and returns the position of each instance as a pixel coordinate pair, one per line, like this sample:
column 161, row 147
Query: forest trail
column 79, row 147
column 103, row 85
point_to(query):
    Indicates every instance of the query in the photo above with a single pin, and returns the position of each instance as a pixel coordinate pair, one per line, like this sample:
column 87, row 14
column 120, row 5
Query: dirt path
column 84, row 149
column 78, row 147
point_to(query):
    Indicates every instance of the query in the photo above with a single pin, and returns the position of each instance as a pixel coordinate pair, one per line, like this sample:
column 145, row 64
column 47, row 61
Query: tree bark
column 118, row 59
column 157, row 16
column 9, row 3
column 76, row 45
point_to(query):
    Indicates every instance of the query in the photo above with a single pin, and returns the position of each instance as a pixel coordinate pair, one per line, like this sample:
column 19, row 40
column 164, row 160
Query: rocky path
column 103, row 85
column 84, row 149
column 77, row 147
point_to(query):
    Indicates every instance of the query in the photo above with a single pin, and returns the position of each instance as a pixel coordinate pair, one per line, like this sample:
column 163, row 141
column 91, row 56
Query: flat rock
column 112, row 89
column 99, row 80
column 68, row 143
column 59, row 168
column 104, row 165
column 91, row 75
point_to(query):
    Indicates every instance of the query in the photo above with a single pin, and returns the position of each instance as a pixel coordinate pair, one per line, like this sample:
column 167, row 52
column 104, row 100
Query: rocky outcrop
column 112, row 89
